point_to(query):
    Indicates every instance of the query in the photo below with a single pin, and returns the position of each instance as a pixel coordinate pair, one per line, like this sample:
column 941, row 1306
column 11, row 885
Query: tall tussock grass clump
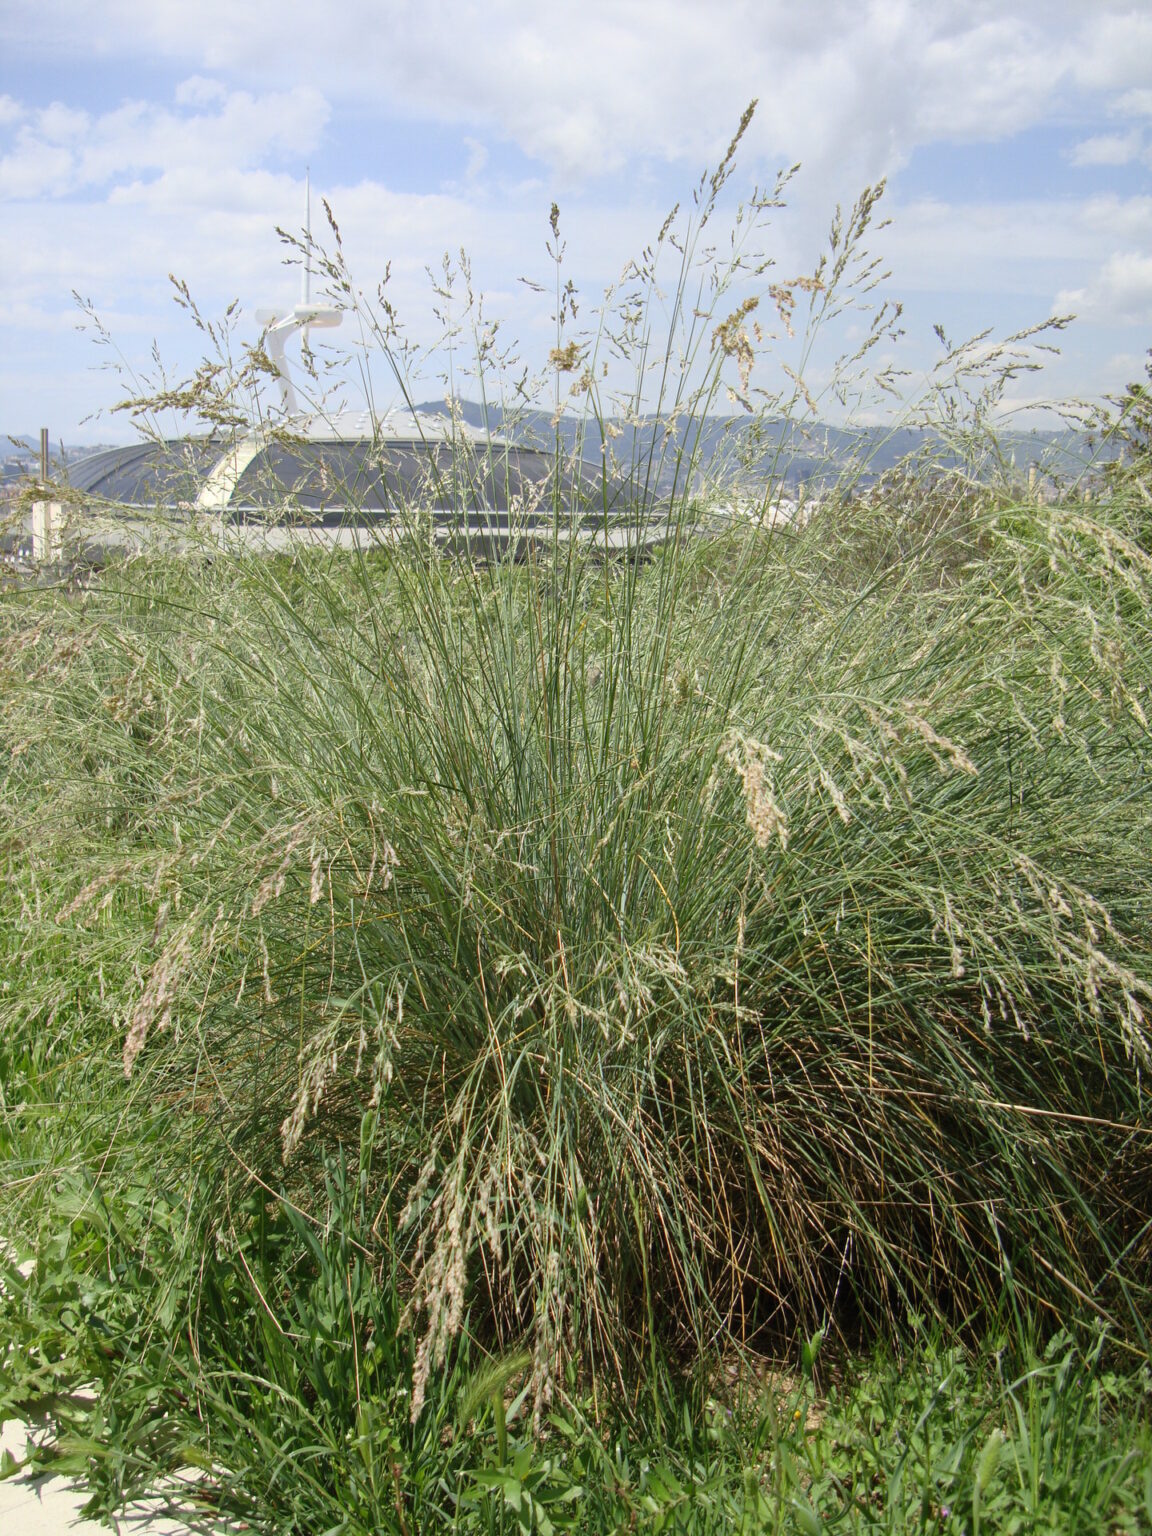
column 687, row 949
column 703, row 946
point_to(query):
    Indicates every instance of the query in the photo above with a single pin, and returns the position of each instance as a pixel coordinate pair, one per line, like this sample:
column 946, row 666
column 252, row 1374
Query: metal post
column 47, row 516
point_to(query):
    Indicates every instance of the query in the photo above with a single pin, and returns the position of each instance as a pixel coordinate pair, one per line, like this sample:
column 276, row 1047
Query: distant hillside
column 738, row 448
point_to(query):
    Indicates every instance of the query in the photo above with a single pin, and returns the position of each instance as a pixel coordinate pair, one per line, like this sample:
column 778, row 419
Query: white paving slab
column 50, row 1506
column 43, row 1505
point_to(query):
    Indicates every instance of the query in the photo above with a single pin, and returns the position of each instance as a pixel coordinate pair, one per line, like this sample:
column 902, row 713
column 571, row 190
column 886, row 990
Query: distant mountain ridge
column 740, row 448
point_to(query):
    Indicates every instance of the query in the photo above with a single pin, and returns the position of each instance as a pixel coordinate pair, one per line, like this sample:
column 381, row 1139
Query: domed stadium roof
column 342, row 478
column 353, row 472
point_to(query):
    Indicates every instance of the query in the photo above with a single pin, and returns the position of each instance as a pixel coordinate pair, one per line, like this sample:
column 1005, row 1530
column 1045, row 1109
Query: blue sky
column 142, row 137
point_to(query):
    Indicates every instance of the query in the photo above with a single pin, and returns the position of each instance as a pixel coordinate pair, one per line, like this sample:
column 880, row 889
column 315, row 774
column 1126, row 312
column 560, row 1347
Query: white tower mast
column 307, row 234
column 280, row 326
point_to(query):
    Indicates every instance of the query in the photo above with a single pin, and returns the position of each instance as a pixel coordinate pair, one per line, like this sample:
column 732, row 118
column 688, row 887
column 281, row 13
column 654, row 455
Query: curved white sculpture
column 280, row 327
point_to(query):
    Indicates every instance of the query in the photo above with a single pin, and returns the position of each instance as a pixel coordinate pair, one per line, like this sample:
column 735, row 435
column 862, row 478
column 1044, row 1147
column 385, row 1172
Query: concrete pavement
column 50, row 1506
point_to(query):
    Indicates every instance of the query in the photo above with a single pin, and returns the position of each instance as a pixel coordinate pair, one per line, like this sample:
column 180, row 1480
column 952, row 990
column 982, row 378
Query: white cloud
column 477, row 158
column 1136, row 103
column 58, row 124
column 58, row 151
column 648, row 90
column 1119, row 294
column 1113, row 46
column 36, row 169
column 199, row 91
column 1109, row 149
column 1027, row 247
column 1122, row 369
column 586, row 86
column 215, row 228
